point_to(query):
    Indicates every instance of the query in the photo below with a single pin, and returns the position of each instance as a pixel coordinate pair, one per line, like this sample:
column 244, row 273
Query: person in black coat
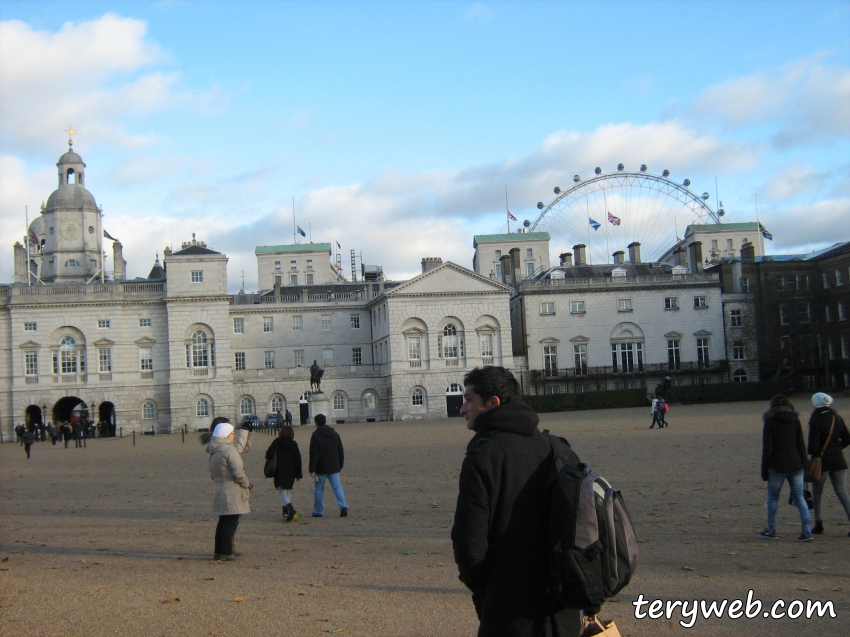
column 782, row 458
column 27, row 438
column 326, row 461
column 287, row 470
column 829, row 448
column 499, row 535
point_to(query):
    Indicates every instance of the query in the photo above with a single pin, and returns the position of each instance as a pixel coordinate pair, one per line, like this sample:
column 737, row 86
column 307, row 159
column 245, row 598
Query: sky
column 396, row 127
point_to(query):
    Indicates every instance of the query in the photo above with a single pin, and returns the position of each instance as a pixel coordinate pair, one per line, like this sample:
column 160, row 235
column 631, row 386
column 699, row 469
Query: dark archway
column 71, row 409
column 106, row 419
column 33, row 416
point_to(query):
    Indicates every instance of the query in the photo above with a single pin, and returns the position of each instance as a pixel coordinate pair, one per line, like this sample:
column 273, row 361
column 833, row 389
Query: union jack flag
column 614, row 220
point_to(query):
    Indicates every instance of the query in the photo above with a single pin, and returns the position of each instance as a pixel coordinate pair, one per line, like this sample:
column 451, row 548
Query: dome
column 71, row 196
column 70, row 158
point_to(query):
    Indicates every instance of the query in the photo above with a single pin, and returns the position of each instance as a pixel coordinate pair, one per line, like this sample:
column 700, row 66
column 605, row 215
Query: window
column 268, row 359
column 627, row 356
column 369, row 400
column 277, row 404
column 68, row 355
column 104, row 360
column 845, row 347
column 740, row 376
column 246, row 407
column 809, row 382
column 239, row 361
column 671, row 303
column 738, row 350
column 450, row 342
column 791, row 282
column 293, row 279
column 293, row 265
column 355, row 321
column 356, row 355
column 624, row 305
column 30, row 327
column 550, row 360
column 529, row 253
column 72, row 263
column 714, row 244
column 803, row 281
column 326, row 322
column 197, row 276
column 547, row 308
column 580, row 358
column 529, row 270
column 839, row 277
column 202, row 407
column 729, row 243
column 827, row 310
column 148, row 411
column 825, row 277
column 804, row 313
column 498, row 254
column 309, row 279
column 702, row 352
column 31, row 363
column 339, row 402
column 745, row 284
column 487, row 348
column 200, row 350
column 297, row 323
column 780, row 283
column 310, row 264
column 417, row 398
column 674, row 358
column 700, row 302
column 103, row 324
column 146, row 359
column 577, row 307
column 298, row 357
column 414, row 351
column 842, row 311
column 736, row 319
column 328, row 356
column 784, row 317
column 268, row 324
column 278, row 281
column 145, row 322
column 277, row 265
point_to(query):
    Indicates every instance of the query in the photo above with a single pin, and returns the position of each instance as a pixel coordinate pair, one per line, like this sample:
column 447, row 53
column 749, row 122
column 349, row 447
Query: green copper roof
column 719, row 227
column 298, row 247
column 513, row 236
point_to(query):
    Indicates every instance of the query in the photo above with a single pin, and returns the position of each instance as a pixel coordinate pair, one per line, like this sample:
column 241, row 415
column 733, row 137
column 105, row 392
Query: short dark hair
column 218, row 420
column 287, row 432
column 489, row 381
column 780, row 400
column 320, row 419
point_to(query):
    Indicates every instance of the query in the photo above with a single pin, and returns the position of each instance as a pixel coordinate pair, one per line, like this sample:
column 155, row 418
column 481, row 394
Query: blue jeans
column 319, row 492
column 775, row 481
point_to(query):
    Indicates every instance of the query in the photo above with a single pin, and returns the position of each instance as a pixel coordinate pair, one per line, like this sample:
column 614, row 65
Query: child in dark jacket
column 288, row 469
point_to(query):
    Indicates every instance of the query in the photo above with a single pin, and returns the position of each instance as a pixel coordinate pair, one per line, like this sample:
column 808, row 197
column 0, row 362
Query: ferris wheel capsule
column 643, row 168
column 686, row 183
column 540, row 205
column 557, row 190
column 620, row 167
column 705, row 196
column 576, row 178
column 666, row 173
column 598, row 170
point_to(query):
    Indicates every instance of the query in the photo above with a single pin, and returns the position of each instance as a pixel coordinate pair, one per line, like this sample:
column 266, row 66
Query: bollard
column 121, row 429
column 134, row 437
column 183, row 435
column 84, row 444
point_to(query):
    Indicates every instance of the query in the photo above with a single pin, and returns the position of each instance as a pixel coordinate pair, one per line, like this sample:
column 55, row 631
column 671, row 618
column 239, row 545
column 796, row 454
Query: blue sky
column 396, row 126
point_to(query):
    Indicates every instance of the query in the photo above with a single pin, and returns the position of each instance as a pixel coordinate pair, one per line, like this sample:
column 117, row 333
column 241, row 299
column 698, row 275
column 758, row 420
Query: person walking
column 77, row 426
column 828, row 436
column 654, row 412
column 326, row 461
column 65, row 430
column 19, row 430
column 288, row 418
column 232, row 487
column 662, row 408
column 499, row 535
column 287, row 469
column 783, row 457
column 27, row 438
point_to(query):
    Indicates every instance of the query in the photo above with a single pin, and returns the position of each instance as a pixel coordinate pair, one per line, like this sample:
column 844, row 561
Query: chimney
column 748, row 252
column 381, row 282
column 579, row 251
column 429, row 263
column 566, row 258
column 120, row 264
column 619, row 257
column 516, row 267
column 276, row 291
column 680, row 256
column 634, row 252
column 507, row 279
column 20, row 263
column 695, row 257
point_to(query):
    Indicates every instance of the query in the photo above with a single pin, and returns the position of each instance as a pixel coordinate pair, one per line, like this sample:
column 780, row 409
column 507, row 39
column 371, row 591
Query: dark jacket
column 832, row 458
column 288, row 462
column 326, row 453
column 783, row 449
column 499, row 533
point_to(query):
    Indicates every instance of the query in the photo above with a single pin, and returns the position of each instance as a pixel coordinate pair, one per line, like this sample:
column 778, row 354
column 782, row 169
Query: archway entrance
column 454, row 400
column 71, row 409
column 33, row 416
column 106, row 419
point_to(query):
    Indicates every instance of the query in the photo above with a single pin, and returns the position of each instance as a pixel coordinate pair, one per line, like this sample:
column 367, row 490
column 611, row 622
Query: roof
column 192, row 250
column 811, row 256
column 157, row 271
column 723, row 227
column 511, row 236
column 599, row 271
column 298, row 247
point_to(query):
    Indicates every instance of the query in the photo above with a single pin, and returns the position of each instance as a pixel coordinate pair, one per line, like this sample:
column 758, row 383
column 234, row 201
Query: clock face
column 69, row 230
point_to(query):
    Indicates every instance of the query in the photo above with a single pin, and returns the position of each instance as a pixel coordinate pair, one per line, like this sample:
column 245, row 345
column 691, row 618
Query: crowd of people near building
column 76, row 430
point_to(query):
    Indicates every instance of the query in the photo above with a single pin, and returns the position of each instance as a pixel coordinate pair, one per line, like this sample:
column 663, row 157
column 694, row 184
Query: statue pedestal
column 318, row 404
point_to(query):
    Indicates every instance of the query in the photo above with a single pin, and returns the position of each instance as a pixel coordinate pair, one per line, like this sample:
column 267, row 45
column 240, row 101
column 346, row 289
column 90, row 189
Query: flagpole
column 294, row 238
column 27, row 240
column 758, row 224
column 607, row 223
column 507, row 208
column 310, row 231
column 589, row 247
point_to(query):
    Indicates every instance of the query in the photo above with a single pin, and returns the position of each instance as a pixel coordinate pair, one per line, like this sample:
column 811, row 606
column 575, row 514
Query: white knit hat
column 222, row 430
column 821, row 400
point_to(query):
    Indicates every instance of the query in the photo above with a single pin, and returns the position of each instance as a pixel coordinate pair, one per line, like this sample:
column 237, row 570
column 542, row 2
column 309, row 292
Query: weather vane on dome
column 70, row 132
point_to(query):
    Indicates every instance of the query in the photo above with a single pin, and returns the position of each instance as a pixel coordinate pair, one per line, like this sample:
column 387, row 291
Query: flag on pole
column 109, row 236
column 338, row 247
column 613, row 220
column 594, row 224
column 765, row 232
column 300, row 231
column 510, row 216
column 33, row 239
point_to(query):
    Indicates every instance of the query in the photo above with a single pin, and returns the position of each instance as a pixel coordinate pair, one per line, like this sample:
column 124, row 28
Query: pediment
column 579, row 339
column 30, row 345
column 413, row 331
column 448, row 278
column 550, row 340
column 104, row 342
column 486, row 328
column 145, row 341
column 702, row 333
column 673, row 335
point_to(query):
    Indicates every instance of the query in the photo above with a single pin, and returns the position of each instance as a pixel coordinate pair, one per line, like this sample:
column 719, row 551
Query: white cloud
column 793, row 180
column 807, row 227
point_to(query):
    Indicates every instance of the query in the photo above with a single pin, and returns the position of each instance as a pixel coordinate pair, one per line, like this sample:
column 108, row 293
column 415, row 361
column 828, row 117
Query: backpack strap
column 829, row 437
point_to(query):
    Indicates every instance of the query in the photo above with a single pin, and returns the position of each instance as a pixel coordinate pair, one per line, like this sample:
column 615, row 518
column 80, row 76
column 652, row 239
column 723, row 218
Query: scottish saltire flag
column 510, row 216
column 614, row 220
column 301, row 231
column 109, row 236
column 765, row 232
column 594, row 224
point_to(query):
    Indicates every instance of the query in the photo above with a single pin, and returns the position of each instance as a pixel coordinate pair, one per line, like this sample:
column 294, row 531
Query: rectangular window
column 550, row 360
column 293, row 279
column 293, row 265
column 31, row 363
column 624, row 305
column 487, row 347
column 845, row 347
column 671, row 303
column 714, row 244
column 674, row 358
column 580, row 358
column 839, row 277
column 298, row 357
column 197, row 276
column 702, row 352
column 842, row 311
column 309, row 264
column 577, row 307
column 30, row 327
column 547, row 308
column 729, row 243
column 825, row 277
column 626, row 357
column 146, row 359
column 328, row 356
column 738, row 350
column 827, row 310
column 356, row 355
column 145, row 322
column 498, row 271
column 277, row 265
column 326, row 322
column 239, row 326
column 278, row 280
column 498, row 254
column 268, row 324
column 355, row 321
column 736, row 319
column 297, row 323
column 809, row 382
column 529, row 253
column 745, row 284
column 803, row 281
column 309, row 279
column 780, row 283
column 791, row 282
column 104, row 360
column 268, row 359
column 529, row 270
column 700, row 302
column 414, row 350
column 103, row 324
column 784, row 317
column 804, row 313
column 239, row 360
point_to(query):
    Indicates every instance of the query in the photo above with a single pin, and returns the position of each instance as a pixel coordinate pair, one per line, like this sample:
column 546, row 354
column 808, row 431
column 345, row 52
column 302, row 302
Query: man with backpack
column 662, row 408
column 500, row 538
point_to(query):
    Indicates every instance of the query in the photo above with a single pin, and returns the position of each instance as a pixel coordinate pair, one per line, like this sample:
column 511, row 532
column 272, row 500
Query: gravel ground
column 117, row 540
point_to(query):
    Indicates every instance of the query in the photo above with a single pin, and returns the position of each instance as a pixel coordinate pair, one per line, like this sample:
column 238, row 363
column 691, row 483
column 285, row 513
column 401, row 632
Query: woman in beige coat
column 231, row 494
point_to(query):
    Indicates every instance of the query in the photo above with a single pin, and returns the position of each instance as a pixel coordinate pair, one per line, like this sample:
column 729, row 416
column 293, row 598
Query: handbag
column 591, row 625
column 814, row 468
column 270, row 467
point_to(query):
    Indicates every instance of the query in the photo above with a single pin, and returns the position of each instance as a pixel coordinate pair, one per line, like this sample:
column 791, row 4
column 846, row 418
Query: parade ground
column 117, row 539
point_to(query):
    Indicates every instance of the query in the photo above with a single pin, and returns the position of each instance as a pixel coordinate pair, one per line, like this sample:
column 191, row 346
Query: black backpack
column 592, row 544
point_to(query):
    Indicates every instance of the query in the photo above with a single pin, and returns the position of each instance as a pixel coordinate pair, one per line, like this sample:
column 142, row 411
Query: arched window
column 339, row 402
column 200, row 350
column 70, row 176
column 417, row 398
column 740, row 376
column 72, row 263
column 68, row 355
column 246, row 407
column 277, row 404
column 202, row 407
column 455, row 388
column 450, row 342
column 148, row 411
column 370, row 400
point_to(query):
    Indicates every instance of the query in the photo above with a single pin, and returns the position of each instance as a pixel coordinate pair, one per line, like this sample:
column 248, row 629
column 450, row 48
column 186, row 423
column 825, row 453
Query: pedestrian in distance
column 326, row 461
column 27, row 438
column 783, row 457
column 662, row 408
column 65, row 430
column 19, row 430
column 78, row 433
column 654, row 412
column 828, row 436
column 499, row 536
column 288, row 418
column 287, row 469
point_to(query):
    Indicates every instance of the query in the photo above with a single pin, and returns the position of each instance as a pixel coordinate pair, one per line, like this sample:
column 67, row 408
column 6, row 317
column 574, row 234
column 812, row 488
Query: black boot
column 818, row 530
column 292, row 514
column 285, row 512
